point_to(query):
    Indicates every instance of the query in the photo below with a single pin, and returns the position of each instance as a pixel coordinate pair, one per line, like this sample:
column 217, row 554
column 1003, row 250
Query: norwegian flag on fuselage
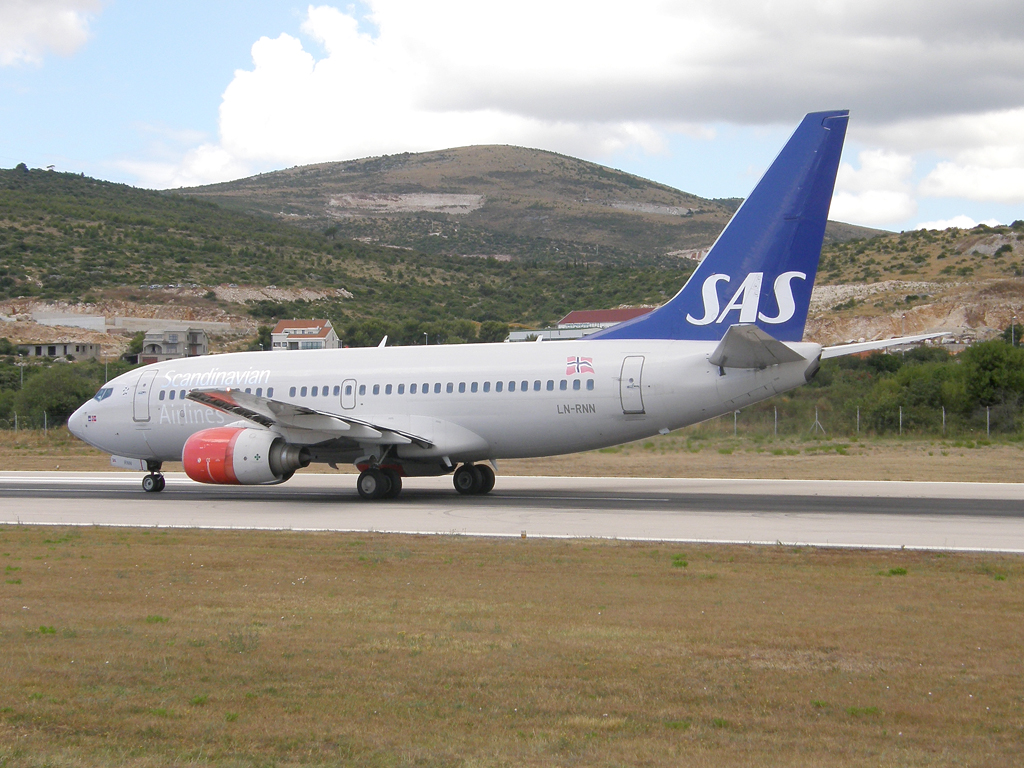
column 574, row 365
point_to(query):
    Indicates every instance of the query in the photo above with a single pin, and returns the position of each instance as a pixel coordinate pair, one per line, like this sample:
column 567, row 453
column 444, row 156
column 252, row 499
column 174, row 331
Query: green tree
column 993, row 373
column 262, row 340
column 57, row 391
column 492, row 330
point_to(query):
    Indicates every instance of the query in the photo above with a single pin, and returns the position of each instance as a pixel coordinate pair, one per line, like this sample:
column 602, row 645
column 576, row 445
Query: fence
column 824, row 420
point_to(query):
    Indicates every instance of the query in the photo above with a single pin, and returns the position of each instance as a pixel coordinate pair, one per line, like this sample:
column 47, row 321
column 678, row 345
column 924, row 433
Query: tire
column 372, row 484
column 395, row 481
column 487, row 478
column 151, row 484
column 161, row 483
column 467, row 480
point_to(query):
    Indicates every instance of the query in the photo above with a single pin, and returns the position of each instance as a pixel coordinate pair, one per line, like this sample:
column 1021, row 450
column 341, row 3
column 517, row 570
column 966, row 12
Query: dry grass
column 687, row 453
column 152, row 648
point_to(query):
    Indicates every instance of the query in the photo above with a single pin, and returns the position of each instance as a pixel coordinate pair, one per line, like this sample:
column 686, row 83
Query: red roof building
column 304, row 334
column 600, row 318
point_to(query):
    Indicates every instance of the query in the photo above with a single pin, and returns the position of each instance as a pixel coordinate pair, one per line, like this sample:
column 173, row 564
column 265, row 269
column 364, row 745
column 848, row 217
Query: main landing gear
column 473, row 479
column 379, row 483
column 154, row 482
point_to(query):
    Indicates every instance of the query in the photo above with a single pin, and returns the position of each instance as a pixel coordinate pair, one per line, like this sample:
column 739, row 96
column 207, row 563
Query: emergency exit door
column 630, row 391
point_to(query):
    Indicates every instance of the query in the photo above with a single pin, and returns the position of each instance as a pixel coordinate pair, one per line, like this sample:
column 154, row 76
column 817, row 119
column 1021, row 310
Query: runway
column 955, row 516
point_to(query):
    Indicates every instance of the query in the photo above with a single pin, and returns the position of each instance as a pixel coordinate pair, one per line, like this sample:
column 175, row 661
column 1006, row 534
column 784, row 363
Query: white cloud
column 961, row 221
column 877, row 194
column 30, row 28
column 939, row 77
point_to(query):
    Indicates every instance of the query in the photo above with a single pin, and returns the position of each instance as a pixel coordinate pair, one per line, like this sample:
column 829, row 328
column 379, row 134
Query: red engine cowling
column 241, row 456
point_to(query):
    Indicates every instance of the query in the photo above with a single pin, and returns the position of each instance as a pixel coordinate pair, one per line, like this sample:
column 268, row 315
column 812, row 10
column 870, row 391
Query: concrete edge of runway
column 550, row 536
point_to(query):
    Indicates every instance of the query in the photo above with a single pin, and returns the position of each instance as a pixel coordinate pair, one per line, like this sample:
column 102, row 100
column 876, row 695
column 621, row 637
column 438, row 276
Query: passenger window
column 291, row 392
column 524, row 385
column 162, row 394
column 313, row 392
column 498, row 385
column 270, row 392
column 472, row 387
column 487, row 386
column 387, row 389
column 536, row 386
column 248, row 391
column 171, row 397
column 181, row 395
column 511, row 386
column 426, row 388
column 575, row 384
column 401, row 389
column 325, row 389
column 449, row 388
column 563, row 385
column 362, row 389
column 259, row 391
column 462, row 387
column 302, row 391
column 551, row 385
column 337, row 390
column 412, row 389
column 376, row 389
column 348, row 389
column 590, row 383
column 437, row 388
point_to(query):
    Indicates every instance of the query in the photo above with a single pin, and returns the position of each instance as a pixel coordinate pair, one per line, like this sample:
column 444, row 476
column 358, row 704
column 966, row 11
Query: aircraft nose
column 77, row 422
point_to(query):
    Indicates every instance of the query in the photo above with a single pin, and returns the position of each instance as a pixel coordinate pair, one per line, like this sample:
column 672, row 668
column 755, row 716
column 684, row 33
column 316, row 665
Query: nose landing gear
column 154, row 482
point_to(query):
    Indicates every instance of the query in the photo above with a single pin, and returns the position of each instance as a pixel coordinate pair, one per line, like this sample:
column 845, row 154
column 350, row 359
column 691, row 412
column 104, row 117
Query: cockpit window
column 103, row 394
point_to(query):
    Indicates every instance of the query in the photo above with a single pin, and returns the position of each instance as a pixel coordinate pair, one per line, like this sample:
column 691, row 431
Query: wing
column 273, row 413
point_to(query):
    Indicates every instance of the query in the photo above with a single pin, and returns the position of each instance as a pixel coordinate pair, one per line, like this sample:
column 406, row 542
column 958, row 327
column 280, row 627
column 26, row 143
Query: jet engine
column 241, row 456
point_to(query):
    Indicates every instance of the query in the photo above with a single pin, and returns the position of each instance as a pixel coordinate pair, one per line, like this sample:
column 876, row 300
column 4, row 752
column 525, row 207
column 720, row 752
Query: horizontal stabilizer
column 747, row 346
column 867, row 346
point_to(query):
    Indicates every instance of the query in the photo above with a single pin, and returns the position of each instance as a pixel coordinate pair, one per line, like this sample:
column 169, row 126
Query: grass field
column 693, row 452
column 137, row 647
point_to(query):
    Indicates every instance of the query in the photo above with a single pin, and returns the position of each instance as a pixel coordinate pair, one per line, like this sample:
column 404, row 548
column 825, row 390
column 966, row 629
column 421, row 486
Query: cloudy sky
column 697, row 95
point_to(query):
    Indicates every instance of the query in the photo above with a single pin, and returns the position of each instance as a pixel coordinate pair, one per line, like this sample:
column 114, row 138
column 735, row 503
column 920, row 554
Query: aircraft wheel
column 395, row 481
column 153, row 483
column 372, row 484
column 467, row 479
column 487, row 478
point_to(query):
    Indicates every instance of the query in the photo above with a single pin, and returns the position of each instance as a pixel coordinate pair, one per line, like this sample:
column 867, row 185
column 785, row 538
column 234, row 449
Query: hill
column 502, row 201
column 83, row 241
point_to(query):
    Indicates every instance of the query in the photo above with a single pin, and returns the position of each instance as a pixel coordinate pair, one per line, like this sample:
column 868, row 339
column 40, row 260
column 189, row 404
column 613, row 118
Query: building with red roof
column 304, row 334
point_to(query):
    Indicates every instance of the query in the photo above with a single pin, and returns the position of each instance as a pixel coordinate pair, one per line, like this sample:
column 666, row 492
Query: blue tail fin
column 761, row 269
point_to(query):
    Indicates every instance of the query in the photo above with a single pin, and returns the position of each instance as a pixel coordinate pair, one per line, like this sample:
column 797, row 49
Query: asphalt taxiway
column 962, row 516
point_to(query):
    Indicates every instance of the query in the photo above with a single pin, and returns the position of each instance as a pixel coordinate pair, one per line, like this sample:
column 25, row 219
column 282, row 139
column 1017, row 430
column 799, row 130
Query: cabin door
column 630, row 392
column 140, row 406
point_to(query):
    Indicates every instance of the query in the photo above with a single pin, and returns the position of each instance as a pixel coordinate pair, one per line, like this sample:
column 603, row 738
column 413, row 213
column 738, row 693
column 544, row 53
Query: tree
column 492, row 330
column 993, row 373
column 262, row 340
column 56, row 391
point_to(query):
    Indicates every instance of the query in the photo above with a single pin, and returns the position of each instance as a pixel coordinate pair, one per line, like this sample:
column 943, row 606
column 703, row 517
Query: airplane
column 732, row 336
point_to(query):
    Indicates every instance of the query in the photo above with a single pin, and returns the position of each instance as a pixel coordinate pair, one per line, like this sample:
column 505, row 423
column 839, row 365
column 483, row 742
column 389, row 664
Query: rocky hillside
column 968, row 282
column 502, row 201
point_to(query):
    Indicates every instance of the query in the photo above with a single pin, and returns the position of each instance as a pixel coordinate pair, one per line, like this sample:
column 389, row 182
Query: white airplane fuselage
column 472, row 402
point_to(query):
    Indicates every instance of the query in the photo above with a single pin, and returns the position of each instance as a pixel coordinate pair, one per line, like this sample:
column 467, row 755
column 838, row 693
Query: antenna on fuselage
column 383, row 342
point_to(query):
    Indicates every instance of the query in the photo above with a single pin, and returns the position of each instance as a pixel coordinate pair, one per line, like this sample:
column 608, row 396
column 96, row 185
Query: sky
column 697, row 95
